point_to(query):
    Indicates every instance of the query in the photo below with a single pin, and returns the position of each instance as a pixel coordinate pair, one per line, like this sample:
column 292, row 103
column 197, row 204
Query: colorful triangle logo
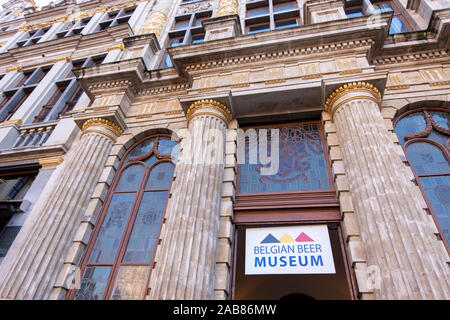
column 286, row 238
column 270, row 239
column 303, row 237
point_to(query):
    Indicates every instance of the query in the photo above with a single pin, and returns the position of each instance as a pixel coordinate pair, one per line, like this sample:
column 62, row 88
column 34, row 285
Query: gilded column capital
column 227, row 7
column 351, row 91
column 102, row 126
column 209, row 107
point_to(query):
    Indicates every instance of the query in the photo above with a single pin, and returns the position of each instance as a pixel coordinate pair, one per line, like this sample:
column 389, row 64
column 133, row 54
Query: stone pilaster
column 30, row 269
column 225, row 22
column 186, row 259
column 397, row 239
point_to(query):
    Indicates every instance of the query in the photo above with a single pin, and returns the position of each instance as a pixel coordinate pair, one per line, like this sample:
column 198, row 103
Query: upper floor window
column 66, row 94
column 424, row 135
column 271, row 15
column 32, row 37
column 120, row 253
column 399, row 23
column 187, row 29
column 116, row 17
column 13, row 98
column 297, row 160
column 74, row 28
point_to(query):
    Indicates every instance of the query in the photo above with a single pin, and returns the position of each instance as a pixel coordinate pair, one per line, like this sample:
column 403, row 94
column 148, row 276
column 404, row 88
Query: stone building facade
column 126, row 159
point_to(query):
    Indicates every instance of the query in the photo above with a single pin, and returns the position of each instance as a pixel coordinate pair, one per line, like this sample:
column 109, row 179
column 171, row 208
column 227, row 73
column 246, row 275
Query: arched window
column 120, row 253
column 424, row 135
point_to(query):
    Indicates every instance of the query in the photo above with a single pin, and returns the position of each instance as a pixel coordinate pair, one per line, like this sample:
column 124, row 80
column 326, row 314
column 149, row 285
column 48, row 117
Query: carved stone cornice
column 209, row 107
column 354, row 90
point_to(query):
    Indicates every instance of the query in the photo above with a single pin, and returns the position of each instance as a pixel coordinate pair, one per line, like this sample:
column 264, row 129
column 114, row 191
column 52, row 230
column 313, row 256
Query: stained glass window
column 424, row 134
column 120, row 253
column 301, row 161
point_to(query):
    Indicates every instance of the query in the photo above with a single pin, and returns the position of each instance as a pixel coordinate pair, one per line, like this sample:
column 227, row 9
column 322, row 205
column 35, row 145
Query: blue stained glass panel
column 131, row 178
column 437, row 190
column 146, row 228
column 108, row 239
column 302, row 164
column 438, row 137
column 441, row 118
column 412, row 123
column 426, row 158
column 140, row 149
column 160, row 177
column 93, row 283
column 166, row 146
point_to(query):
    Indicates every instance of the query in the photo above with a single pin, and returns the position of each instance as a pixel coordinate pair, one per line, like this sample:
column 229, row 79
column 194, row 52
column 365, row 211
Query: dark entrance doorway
column 292, row 286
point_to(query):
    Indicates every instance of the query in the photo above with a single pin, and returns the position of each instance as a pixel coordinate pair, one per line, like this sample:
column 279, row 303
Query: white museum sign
column 288, row 250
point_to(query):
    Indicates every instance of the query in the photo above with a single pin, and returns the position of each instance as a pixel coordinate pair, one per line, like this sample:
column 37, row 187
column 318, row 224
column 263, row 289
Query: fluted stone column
column 34, row 260
column 185, row 261
column 396, row 234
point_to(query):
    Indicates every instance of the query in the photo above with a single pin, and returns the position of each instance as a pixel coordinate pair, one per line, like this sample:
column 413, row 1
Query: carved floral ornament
column 227, row 7
column 195, row 110
column 372, row 93
column 100, row 122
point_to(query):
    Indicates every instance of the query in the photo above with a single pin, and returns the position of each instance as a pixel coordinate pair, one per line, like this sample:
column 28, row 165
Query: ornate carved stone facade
column 86, row 88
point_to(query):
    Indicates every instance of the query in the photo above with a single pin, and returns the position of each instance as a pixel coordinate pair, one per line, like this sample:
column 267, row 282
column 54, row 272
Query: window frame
column 446, row 154
column 272, row 17
column 130, row 223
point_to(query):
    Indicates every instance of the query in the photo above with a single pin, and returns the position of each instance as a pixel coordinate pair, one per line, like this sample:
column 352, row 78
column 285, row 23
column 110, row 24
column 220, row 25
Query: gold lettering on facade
column 274, row 75
column 240, row 80
column 310, row 71
column 208, row 84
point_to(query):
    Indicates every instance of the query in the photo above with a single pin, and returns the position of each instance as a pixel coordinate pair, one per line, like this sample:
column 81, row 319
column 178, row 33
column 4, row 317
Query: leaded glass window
column 302, row 165
column 120, row 253
column 424, row 135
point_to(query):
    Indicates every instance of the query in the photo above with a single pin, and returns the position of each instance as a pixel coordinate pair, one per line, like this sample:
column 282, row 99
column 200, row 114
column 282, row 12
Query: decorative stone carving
column 227, row 7
column 155, row 22
column 195, row 7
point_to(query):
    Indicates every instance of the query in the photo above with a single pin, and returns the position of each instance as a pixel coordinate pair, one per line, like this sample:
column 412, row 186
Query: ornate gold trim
column 16, row 121
column 18, row 69
column 100, row 132
column 118, row 46
column 68, row 59
column 103, row 123
column 439, row 83
column 213, row 104
column 399, row 87
column 52, row 161
column 347, row 88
